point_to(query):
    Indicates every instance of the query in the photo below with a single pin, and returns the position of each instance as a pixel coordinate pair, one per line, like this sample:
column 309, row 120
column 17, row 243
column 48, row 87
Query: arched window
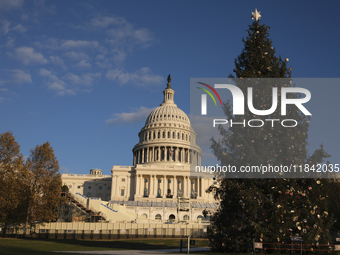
column 154, row 135
column 200, row 217
column 159, row 134
column 182, row 136
column 186, row 137
column 159, row 193
column 158, row 217
column 144, row 216
column 172, row 217
column 177, row 135
column 173, row 135
column 168, row 134
column 186, row 217
column 163, row 134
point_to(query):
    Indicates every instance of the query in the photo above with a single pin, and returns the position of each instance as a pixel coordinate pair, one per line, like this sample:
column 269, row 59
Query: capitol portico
column 160, row 178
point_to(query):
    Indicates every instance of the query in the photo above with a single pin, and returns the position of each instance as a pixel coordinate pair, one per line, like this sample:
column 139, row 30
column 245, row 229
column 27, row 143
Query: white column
column 165, row 191
column 113, row 187
column 116, row 188
column 141, row 187
column 127, row 193
column 175, row 186
column 155, row 186
column 184, row 187
column 153, row 154
column 188, row 187
column 152, row 184
column 137, row 185
column 142, row 155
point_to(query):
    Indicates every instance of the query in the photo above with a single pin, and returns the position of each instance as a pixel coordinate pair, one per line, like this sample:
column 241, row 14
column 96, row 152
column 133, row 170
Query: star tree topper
column 256, row 15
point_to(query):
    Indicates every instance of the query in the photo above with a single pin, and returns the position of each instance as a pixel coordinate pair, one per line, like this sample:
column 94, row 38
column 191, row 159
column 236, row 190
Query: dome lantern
column 168, row 94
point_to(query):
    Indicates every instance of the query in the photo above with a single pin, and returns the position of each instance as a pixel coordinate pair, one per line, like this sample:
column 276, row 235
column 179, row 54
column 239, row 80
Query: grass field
column 43, row 247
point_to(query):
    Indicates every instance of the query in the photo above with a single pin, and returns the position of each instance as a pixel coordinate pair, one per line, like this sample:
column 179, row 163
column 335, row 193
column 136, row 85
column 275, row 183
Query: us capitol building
column 159, row 185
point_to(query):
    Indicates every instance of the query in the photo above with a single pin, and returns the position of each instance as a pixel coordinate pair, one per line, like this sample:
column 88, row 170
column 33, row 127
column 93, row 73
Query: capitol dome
column 167, row 135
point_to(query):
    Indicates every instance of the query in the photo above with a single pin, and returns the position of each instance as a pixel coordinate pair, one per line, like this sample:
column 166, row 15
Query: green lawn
column 42, row 247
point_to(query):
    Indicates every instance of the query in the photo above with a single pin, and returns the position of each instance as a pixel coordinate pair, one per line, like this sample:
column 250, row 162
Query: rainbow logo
column 204, row 97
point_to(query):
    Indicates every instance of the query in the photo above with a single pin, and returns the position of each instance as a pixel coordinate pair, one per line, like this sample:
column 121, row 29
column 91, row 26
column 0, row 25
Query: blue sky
column 84, row 75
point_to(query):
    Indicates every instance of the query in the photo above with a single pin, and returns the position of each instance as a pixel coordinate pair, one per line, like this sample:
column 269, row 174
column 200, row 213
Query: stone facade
column 160, row 178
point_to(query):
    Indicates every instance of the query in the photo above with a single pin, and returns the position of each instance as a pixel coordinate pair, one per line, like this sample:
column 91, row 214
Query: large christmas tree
column 267, row 209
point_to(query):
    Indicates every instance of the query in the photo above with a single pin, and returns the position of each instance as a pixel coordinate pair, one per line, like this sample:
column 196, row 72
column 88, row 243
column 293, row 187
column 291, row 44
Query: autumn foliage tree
column 29, row 191
column 13, row 180
column 45, row 184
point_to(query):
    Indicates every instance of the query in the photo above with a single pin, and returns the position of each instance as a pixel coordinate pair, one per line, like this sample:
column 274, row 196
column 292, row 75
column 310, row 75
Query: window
column 145, row 192
column 144, row 216
column 169, row 181
column 177, row 135
column 173, row 135
column 192, row 194
column 123, row 179
column 179, row 181
column 159, row 180
column 163, row 134
column 69, row 186
column 100, row 187
column 158, row 217
column 186, row 217
column 192, row 182
column 159, row 193
column 159, row 134
column 145, row 180
column 89, row 187
column 89, row 194
column 79, row 187
column 109, row 188
column 169, row 134
column 122, row 191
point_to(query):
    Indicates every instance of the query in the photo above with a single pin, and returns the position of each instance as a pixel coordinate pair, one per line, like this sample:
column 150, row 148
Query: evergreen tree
column 269, row 210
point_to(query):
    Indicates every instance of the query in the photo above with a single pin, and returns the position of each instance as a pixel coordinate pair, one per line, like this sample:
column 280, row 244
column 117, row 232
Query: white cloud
column 4, row 26
column 78, row 44
column 19, row 28
column 54, row 83
column 137, row 115
column 10, row 42
column 10, row 4
column 58, row 61
column 20, row 76
column 28, row 55
column 128, row 34
column 142, row 77
column 86, row 79
column 84, row 63
column 76, row 55
column 107, row 21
